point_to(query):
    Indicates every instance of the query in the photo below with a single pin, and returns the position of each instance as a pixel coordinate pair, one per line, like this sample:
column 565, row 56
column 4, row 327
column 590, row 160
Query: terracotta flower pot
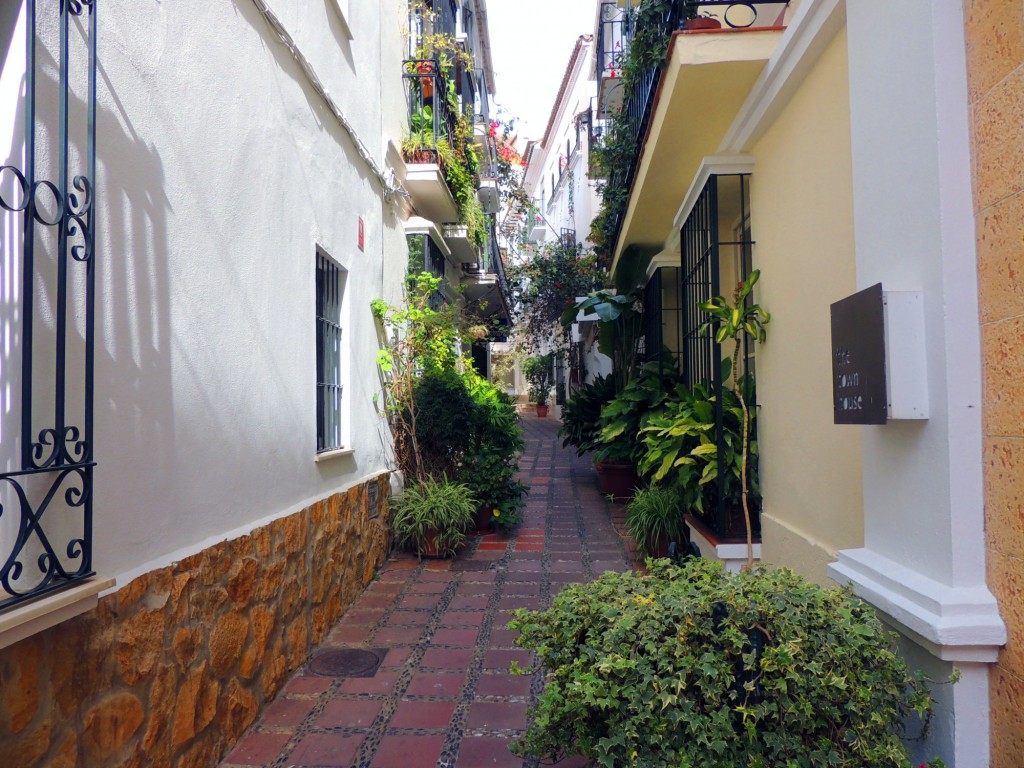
column 617, row 479
column 542, row 411
column 703, row 22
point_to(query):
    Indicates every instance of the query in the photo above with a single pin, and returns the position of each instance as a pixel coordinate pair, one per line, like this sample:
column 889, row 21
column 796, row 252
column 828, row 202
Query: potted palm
column 432, row 517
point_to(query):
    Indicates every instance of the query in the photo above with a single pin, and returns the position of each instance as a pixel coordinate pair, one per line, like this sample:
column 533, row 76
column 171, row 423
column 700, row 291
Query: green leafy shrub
column 654, row 515
column 580, row 415
column 622, row 417
column 679, row 447
column 490, row 463
column 446, row 420
column 436, row 509
column 538, row 371
column 660, row 671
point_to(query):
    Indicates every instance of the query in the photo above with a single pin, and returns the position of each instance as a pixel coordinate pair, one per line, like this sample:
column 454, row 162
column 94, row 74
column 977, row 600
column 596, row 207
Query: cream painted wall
column 802, row 225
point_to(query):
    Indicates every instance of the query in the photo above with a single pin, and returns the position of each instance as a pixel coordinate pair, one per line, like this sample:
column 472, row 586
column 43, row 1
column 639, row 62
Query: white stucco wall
column 221, row 172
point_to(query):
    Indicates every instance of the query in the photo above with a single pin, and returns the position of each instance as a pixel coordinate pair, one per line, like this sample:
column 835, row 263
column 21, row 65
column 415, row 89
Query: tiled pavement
column 444, row 695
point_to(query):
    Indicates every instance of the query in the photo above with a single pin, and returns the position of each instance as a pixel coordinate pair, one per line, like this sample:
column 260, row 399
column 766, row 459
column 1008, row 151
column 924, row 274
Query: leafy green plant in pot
column 580, row 416
column 431, row 517
column 655, row 518
column 619, row 448
column 538, row 372
column 735, row 320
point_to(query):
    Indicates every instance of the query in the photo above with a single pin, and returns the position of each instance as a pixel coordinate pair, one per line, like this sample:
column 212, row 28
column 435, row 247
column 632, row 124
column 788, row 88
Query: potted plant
column 736, row 320
column 580, row 416
column 654, row 519
column 431, row 517
column 537, row 370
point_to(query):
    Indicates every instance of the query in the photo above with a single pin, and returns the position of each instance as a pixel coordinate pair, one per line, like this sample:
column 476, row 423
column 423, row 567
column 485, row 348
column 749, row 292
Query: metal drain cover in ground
column 347, row 662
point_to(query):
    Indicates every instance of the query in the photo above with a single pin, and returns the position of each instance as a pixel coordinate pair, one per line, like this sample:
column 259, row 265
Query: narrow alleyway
column 444, row 694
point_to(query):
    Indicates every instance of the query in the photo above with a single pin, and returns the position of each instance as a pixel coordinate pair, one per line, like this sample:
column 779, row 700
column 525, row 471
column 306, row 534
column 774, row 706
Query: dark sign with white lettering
column 858, row 358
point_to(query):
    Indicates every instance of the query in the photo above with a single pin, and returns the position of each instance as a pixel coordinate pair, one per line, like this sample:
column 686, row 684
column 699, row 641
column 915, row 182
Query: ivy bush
column 661, row 670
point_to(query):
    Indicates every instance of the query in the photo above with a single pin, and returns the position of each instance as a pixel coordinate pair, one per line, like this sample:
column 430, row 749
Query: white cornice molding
column 808, row 34
column 953, row 623
column 712, row 165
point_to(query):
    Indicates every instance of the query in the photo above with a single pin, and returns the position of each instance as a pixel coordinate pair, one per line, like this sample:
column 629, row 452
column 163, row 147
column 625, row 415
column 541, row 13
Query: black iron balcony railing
column 430, row 117
column 615, row 33
column 46, row 500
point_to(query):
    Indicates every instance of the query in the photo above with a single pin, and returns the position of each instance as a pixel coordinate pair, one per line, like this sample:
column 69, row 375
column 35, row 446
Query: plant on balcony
column 692, row 666
column 737, row 320
column 544, row 286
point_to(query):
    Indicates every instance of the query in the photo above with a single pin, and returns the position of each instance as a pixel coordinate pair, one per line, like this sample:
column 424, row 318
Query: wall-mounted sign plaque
column 858, row 358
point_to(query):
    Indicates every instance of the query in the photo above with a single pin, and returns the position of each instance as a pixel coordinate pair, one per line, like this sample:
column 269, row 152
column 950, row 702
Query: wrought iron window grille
column 722, row 207
column 46, row 492
column 330, row 291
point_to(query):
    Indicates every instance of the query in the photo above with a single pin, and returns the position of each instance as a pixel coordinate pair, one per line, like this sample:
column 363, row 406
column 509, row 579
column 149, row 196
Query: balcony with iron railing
column 627, row 98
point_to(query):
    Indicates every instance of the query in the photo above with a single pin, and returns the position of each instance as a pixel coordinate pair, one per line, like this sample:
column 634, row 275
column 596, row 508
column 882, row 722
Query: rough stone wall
column 995, row 56
column 174, row 666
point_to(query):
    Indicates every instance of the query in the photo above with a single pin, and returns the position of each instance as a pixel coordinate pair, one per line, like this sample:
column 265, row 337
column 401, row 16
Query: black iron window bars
column 46, row 492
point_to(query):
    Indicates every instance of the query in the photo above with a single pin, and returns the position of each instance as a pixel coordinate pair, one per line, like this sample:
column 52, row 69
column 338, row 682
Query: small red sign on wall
column 362, row 235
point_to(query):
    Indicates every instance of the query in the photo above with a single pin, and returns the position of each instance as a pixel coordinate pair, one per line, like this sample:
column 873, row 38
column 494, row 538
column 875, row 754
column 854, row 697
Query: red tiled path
column 444, row 695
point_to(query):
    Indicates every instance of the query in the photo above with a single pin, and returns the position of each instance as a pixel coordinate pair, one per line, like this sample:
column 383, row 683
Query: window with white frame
column 330, row 355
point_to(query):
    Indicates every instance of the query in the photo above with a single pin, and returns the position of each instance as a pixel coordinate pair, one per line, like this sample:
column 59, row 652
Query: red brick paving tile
column 503, row 659
column 380, row 683
column 344, row 713
column 396, row 657
column 436, row 575
column 503, row 685
column 287, row 713
column 258, row 748
column 422, row 714
column 436, row 684
column 463, row 618
column 307, row 685
column 492, row 545
column 384, row 588
column 496, row 537
column 526, row 588
column 408, row 752
column 503, row 715
column 503, row 638
column 488, row 554
column 405, row 564
column 465, row 590
column 362, row 616
column 428, row 587
column 401, row 573
column 438, row 566
column 408, row 619
column 524, row 565
column 526, row 555
column 375, row 601
column 398, row 635
column 455, row 637
column 325, row 749
column 357, row 633
column 520, row 601
column 468, row 603
column 418, row 602
column 446, row 658
column 479, row 577
column 486, row 752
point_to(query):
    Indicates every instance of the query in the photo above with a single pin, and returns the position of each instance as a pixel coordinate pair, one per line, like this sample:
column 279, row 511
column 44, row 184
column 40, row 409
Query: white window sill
column 337, row 453
column 38, row 615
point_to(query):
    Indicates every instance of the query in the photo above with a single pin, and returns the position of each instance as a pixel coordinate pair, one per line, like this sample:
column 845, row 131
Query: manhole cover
column 347, row 662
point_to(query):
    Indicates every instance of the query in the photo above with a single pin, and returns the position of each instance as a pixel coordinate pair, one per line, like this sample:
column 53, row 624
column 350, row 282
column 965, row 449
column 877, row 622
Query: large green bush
column 660, row 670
column 580, row 415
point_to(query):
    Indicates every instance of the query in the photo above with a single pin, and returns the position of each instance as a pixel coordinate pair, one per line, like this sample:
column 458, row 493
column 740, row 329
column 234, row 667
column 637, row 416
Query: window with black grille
column 330, row 290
